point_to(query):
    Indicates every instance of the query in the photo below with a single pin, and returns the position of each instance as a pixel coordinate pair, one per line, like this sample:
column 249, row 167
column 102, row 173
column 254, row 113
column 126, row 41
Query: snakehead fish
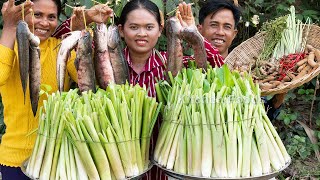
column 193, row 37
column 118, row 62
column 34, row 72
column 102, row 64
column 67, row 45
column 174, row 47
column 23, row 53
column 84, row 63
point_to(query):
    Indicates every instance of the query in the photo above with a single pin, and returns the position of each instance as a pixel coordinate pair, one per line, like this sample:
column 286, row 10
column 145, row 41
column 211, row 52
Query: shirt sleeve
column 62, row 29
column 7, row 57
column 213, row 55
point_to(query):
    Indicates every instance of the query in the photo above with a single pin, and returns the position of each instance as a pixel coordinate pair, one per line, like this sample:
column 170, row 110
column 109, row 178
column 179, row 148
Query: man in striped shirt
column 218, row 20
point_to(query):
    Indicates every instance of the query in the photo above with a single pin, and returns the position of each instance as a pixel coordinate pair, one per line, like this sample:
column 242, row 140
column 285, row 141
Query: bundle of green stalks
column 292, row 40
column 102, row 135
column 215, row 125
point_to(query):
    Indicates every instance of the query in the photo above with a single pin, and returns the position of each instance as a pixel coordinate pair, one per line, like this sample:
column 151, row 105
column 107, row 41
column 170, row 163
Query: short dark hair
column 213, row 6
column 137, row 4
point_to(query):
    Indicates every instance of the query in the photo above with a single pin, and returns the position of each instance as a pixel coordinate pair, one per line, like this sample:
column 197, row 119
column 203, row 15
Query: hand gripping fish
column 29, row 62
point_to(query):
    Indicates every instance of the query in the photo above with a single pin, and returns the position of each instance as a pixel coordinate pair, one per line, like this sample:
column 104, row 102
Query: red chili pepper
column 287, row 63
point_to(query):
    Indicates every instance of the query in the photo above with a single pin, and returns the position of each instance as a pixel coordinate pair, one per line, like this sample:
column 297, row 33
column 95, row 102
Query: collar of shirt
column 153, row 61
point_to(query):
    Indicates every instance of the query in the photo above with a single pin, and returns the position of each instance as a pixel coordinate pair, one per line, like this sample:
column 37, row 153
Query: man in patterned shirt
column 218, row 20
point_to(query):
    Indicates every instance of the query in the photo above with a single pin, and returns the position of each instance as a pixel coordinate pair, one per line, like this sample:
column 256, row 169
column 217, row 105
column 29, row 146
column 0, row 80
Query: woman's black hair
column 213, row 6
column 137, row 4
column 58, row 4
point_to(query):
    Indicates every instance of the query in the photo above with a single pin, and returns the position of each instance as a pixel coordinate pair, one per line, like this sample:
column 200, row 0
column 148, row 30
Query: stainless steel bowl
column 25, row 163
column 179, row 176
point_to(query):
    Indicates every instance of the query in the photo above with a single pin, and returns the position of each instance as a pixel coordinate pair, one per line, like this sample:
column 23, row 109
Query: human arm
column 11, row 15
column 98, row 13
column 274, row 105
column 186, row 19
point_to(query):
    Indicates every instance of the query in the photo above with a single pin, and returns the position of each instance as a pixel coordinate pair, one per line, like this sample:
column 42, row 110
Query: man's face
column 219, row 29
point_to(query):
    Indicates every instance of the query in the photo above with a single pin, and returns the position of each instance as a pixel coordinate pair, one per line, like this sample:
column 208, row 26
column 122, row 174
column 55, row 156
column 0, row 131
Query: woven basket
column 252, row 47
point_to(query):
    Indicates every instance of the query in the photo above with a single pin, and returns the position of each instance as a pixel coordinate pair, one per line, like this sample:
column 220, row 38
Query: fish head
column 175, row 25
column 100, row 37
column 85, row 42
column 113, row 36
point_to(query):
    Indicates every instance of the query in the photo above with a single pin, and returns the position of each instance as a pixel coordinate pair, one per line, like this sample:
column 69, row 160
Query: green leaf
column 46, row 87
column 206, row 86
column 171, row 6
column 309, row 91
column 293, row 117
column 258, row 2
column 160, row 4
column 86, row 3
column 291, row 1
column 301, row 91
column 286, row 120
column 282, row 115
column 310, row 12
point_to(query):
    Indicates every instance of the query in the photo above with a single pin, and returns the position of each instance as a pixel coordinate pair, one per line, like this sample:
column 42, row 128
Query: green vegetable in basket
column 291, row 38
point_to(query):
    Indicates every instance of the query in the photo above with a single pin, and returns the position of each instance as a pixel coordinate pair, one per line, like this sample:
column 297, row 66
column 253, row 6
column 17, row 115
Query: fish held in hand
column 23, row 53
column 118, row 62
column 193, row 37
column 35, row 76
column 84, row 63
column 174, row 47
column 67, row 45
column 102, row 64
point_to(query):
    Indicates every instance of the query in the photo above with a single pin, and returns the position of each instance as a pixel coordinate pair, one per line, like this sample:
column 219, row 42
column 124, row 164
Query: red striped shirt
column 63, row 29
column 154, row 68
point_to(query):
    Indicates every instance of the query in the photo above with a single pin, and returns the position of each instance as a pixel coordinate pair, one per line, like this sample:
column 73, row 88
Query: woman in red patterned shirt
column 140, row 26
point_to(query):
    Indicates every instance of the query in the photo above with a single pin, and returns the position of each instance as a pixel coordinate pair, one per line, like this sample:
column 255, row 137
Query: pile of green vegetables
column 283, row 36
column 215, row 125
column 105, row 135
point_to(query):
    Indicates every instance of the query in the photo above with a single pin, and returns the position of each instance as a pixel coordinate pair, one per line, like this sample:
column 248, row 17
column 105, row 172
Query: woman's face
column 45, row 18
column 140, row 31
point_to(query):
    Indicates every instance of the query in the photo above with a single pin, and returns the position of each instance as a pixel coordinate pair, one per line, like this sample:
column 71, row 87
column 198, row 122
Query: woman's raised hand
column 185, row 16
column 99, row 13
column 11, row 13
